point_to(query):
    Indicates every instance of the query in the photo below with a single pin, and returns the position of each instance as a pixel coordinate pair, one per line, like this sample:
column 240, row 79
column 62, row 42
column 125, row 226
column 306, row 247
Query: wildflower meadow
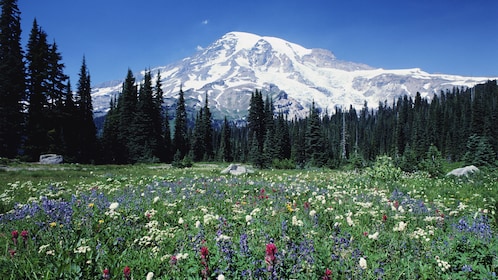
column 164, row 223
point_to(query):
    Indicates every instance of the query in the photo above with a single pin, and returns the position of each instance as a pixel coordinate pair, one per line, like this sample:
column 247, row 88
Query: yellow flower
column 53, row 224
column 289, row 207
column 101, row 221
column 90, row 205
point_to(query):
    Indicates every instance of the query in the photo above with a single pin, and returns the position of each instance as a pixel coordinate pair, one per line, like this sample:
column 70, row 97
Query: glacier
column 230, row 69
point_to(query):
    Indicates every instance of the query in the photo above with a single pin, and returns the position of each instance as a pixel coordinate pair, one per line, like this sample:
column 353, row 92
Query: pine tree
column 180, row 137
column 226, row 145
column 207, row 131
column 158, row 118
column 87, row 130
column 314, row 139
column 256, row 129
column 110, row 134
column 144, row 143
column 126, row 108
column 69, row 130
column 12, row 79
column 168, row 149
column 38, row 120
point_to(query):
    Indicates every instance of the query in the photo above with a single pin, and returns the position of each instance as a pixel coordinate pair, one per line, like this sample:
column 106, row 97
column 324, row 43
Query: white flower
column 400, row 227
column 312, row 213
column 113, row 206
column 374, row 236
column 248, row 218
column 197, row 224
column 150, row 275
column 363, row 263
column 156, row 199
column 296, row 222
column 221, row 277
column 180, row 220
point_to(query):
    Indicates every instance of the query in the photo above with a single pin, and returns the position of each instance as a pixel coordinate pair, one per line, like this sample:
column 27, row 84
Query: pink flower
column 12, row 252
column 327, row 275
column 204, row 251
column 15, row 235
column 271, row 250
column 205, row 262
column 384, row 217
column 106, row 274
column 127, row 272
column 173, row 260
column 24, row 235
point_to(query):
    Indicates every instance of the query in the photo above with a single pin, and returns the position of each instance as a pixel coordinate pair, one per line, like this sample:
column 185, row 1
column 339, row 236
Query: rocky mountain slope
column 231, row 68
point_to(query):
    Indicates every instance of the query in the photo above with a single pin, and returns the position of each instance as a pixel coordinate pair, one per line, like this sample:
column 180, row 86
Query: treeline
column 39, row 113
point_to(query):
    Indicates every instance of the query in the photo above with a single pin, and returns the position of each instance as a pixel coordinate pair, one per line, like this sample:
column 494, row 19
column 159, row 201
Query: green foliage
column 434, row 228
column 384, row 169
column 479, row 151
column 283, row 164
column 433, row 162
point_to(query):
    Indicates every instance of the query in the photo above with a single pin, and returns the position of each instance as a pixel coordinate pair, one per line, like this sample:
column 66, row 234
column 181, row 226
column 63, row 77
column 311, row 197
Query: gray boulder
column 236, row 169
column 51, row 159
column 464, row 171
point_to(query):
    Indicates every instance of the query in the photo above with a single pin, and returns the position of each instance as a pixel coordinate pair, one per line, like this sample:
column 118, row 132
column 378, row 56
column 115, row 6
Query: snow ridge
column 238, row 63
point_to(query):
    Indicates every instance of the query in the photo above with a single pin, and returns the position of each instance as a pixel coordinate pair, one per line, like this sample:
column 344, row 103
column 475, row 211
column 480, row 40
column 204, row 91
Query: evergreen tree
column 158, row 118
column 180, row 137
column 314, row 139
column 12, row 79
column 168, row 149
column 38, row 119
column 144, row 143
column 125, row 110
column 70, row 130
column 87, row 130
column 207, row 131
column 256, row 129
column 198, row 145
column 110, row 134
column 226, row 145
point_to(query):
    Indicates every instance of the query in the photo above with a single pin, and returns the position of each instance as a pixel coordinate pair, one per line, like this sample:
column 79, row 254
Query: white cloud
column 205, row 22
column 199, row 48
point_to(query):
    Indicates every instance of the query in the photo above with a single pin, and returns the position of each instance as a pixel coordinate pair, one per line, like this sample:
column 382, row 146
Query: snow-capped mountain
column 237, row 64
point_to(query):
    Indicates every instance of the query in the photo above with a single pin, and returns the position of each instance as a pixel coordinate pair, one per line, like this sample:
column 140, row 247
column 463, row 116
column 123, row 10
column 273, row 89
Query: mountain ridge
column 238, row 63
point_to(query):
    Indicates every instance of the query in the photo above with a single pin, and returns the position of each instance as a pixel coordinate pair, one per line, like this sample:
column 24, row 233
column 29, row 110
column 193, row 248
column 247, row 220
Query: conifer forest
column 41, row 113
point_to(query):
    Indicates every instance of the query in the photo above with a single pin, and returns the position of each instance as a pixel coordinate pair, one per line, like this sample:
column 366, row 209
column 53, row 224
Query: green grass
column 165, row 212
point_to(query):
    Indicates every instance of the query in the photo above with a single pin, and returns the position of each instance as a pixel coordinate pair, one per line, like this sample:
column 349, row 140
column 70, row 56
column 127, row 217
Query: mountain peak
column 233, row 67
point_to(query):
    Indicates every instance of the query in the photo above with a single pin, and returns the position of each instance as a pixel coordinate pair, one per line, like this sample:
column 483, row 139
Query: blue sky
column 440, row 36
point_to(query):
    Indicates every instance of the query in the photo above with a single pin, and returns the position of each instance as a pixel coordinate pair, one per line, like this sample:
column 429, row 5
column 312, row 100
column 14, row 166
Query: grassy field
column 124, row 222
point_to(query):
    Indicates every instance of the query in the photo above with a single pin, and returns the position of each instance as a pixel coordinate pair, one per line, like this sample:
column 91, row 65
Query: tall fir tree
column 180, row 137
column 144, row 143
column 226, row 145
column 12, row 79
column 87, row 130
column 126, row 108
column 38, row 120
column 314, row 139
column 158, row 117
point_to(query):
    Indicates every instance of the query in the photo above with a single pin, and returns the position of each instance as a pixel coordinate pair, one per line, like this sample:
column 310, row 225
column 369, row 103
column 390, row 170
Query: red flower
column 328, row 272
column 173, row 260
column 204, row 252
column 384, row 217
column 106, row 274
column 271, row 250
column 12, row 252
column 127, row 272
column 24, row 235
column 15, row 235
